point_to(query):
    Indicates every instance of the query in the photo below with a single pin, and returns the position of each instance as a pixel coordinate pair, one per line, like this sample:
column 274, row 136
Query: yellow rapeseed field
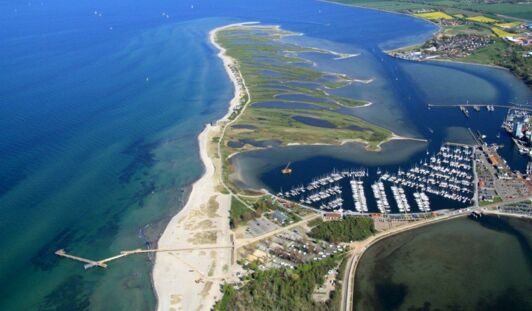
column 501, row 33
column 482, row 19
column 434, row 15
column 508, row 25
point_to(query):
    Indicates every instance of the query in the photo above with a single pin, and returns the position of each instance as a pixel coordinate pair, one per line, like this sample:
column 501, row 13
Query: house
column 331, row 216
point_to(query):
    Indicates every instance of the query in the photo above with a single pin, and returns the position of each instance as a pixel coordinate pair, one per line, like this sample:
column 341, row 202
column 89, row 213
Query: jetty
column 88, row 263
column 465, row 111
column 103, row 262
column 488, row 107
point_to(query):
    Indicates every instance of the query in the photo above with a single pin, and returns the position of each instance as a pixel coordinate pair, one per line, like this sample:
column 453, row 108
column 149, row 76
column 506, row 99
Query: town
column 475, row 39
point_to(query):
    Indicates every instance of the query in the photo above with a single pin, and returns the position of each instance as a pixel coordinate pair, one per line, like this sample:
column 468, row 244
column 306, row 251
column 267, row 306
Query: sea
column 101, row 103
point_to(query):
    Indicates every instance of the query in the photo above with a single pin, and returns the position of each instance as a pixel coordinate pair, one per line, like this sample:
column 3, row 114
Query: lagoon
column 460, row 264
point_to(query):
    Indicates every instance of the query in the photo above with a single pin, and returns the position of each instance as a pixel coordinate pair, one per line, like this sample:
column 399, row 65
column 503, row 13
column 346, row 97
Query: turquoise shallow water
column 102, row 157
column 100, row 106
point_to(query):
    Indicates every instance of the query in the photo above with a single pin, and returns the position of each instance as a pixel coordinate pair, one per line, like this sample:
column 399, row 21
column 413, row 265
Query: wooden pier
column 103, row 263
column 88, row 263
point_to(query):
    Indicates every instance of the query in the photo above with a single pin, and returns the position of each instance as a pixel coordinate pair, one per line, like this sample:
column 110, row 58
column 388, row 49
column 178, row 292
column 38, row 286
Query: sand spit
column 191, row 279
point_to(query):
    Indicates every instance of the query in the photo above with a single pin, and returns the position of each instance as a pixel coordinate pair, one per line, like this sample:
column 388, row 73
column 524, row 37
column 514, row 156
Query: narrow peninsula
column 280, row 99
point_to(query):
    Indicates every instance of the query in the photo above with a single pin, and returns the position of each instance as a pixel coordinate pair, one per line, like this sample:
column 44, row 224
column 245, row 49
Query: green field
column 272, row 68
column 239, row 213
column 517, row 10
column 505, row 55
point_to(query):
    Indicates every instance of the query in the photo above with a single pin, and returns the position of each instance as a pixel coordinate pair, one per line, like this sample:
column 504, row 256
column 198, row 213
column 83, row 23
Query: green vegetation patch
column 511, row 56
column 279, row 124
column 514, row 9
column 272, row 67
column 497, row 199
column 240, row 214
column 280, row 289
column 474, row 18
column 345, row 230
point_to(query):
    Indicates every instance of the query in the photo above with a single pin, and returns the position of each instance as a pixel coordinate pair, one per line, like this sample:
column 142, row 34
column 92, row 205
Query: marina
column 357, row 187
column 380, row 197
column 446, row 174
column 400, row 199
column 422, row 201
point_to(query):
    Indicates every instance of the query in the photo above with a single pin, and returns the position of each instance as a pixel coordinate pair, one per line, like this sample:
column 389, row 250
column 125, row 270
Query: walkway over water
column 527, row 108
column 103, row 263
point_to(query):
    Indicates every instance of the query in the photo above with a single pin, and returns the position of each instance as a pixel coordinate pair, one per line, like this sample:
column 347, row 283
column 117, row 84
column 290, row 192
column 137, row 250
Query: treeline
column 345, row 230
column 513, row 58
column 281, row 289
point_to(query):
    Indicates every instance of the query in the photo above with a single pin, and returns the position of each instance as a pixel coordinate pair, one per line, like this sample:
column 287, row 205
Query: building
column 331, row 216
column 493, row 159
column 518, row 129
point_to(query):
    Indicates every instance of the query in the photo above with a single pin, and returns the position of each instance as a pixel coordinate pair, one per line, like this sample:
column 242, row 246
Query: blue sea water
column 101, row 103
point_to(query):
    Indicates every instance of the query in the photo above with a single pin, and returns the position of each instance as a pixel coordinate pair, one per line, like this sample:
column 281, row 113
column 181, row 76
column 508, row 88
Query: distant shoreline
column 387, row 51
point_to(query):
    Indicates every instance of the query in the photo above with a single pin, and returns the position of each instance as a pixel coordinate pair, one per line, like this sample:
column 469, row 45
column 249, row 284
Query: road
column 358, row 248
column 242, row 85
column 347, row 283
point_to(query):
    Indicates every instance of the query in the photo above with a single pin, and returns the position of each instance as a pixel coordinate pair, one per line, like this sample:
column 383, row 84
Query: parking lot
column 259, row 226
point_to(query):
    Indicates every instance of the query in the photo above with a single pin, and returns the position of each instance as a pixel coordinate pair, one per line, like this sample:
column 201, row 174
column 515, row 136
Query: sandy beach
column 192, row 279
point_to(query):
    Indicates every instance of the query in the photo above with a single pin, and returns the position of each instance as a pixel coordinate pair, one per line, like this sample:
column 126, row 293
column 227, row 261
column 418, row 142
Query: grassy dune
column 272, row 68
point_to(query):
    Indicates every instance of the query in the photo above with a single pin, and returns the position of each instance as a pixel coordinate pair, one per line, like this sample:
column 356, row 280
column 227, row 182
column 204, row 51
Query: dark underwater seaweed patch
column 502, row 225
column 71, row 294
column 45, row 259
column 391, row 295
column 143, row 156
